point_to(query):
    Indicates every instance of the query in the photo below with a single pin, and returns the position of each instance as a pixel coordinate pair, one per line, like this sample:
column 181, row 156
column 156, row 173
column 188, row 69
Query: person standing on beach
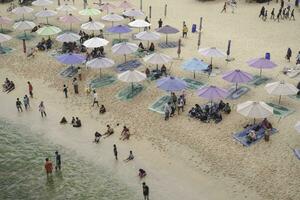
column 262, row 12
column 115, row 152
column 79, row 73
column 272, row 14
column 30, row 88
column 160, row 23
column 42, row 109
column 19, row 105
column 298, row 58
column 167, row 110
column 58, row 161
column 75, row 84
column 48, row 167
column 65, row 90
column 289, row 54
column 95, row 98
column 184, row 31
column 145, row 191
column 224, row 7
column 26, row 102
column 292, row 15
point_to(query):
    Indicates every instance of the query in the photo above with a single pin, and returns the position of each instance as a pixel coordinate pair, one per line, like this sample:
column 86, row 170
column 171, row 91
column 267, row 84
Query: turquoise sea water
column 22, row 174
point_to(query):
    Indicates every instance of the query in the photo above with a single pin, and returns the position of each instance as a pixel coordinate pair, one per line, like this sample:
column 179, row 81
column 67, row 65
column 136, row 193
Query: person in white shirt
column 95, row 98
column 167, row 110
column 180, row 104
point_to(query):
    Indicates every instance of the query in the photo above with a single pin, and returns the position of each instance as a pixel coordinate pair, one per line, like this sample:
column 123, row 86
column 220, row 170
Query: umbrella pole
column 194, row 74
column 157, row 67
column 211, row 61
column 279, row 99
column 166, row 38
column 125, row 57
column 131, row 87
column 119, row 36
column 1, row 29
column 71, row 27
column 47, row 20
column 260, row 72
column 100, row 72
column 236, row 86
column 112, row 24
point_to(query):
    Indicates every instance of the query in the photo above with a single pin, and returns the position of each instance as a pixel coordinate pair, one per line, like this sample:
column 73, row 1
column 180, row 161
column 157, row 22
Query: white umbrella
column 42, row 2
column 297, row 127
column 68, row 37
column 255, row 109
column 48, row 30
column 92, row 26
column 133, row 13
column 157, row 58
column 4, row 37
column 138, row 23
column 124, row 48
column 46, row 13
column 148, row 36
column 70, row 19
column 280, row 88
column 112, row 18
column 24, row 25
column 66, row 8
column 100, row 63
column 132, row 76
column 95, row 42
column 22, row 10
column 212, row 52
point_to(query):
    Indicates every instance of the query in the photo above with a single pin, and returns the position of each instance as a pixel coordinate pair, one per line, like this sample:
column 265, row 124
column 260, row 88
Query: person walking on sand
column 58, row 161
column 26, row 102
column 65, row 90
column 265, row 17
column 42, row 109
column 115, row 152
column 30, row 88
column 298, row 58
column 224, row 7
column 19, row 105
column 48, row 167
column 289, row 54
column 262, row 12
column 160, row 23
column 95, row 98
column 292, row 15
column 75, row 85
column 79, row 73
column 184, row 31
column 145, row 191
column 272, row 14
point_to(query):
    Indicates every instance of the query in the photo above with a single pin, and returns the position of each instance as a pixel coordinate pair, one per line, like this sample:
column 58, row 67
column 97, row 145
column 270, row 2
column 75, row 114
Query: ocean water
column 22, row 174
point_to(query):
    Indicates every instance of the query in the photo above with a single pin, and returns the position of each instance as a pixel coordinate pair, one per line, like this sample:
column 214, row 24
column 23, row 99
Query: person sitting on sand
column 266, row 124
column 63, row 120
column 163, row 70
column 5, row 84
column 77, row 123
column 221, row 105
column 251, row 137
column 152, row 47
column 147, row 72
column 97, row 137
column 35, row 28
column 141, row 47
column 10, row 87
column 125, row 134
column 142, row 173
column 102, row 109
column 227, row 108
column 73, row 121
column 109, row 131
column 130, row 157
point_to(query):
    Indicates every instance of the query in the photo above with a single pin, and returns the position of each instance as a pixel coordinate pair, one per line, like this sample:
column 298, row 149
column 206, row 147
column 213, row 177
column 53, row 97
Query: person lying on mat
column 227, row 108
column 251, row 137
column 266, row 124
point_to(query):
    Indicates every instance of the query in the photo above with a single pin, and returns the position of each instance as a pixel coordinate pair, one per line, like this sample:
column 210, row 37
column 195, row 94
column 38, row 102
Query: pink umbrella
column 212, row 93
column 125, row 5
column 4, row 20
column 70, row 19
column 261, row 63
column 107, row 7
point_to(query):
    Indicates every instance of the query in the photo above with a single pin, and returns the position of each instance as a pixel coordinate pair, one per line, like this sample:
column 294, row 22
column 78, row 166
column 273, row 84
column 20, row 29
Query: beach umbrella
column 194, row 65
column 112, row 18
column 42, row 3
column 261, row 63
column 212, row 93
column 68, row 37
column 4, row 20
column 48, row 30
column 89, row 12
column 70, row 19
column 171, row 84
column 158, row 58
column 24, row 25
column 125, row 5
column 255, row 109
column 95, row 42
column 22, row 10
column 148, row 36
column 46, row 13
column 281, row 88
column 297, row 127
column 132, row 76
column 212, row 52
column 133, row 13
column 66, row 8
column 167, row 30
column 107, row 7
column 100, row 63
column 237, row 76
column 4, row 38
column 92, row 26
column 139, row 23
column 179, row 48
column 124, row 48
column 119, row 29
column 70, row 58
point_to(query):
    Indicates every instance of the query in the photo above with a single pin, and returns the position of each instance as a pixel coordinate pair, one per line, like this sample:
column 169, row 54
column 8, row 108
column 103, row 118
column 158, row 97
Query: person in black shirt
column 58, row 161
column 19, row 105
column 145, row 191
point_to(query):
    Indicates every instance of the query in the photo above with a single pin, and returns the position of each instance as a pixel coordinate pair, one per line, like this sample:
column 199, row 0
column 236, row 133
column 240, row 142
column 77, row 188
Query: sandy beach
column 184, row 158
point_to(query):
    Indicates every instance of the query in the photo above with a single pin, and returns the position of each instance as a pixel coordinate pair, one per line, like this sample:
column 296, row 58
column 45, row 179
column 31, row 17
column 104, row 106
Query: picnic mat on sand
column 258, row 80
column 102, row 81
column 131, row 64
column 68, row 72
column 117, row 41
column 164, row 45
column 297, row 153
column 158, row 105
column 235, row 94
column 193, row 84
column 297, row 97
column 280, row 111
column 5, row 50
column 242, row 136
column 128, row 93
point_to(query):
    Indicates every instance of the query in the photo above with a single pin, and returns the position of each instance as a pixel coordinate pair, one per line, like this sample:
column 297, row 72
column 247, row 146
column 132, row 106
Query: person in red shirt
column 48, row 166
column 30, row 88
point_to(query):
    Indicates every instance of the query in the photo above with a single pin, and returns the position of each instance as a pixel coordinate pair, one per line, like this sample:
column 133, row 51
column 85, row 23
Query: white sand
column 198, row 161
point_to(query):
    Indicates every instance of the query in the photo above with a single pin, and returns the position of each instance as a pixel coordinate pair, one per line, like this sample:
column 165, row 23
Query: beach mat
column 164, row 45
column 117, row 41
column 54, row 52
column 193, row 84
column 68, row 72
column 297, row 153
column 258, row 80
column 5, row 31
column 128, row 93
column 242, row 136
column 159, row 104
column 296, row 97
column 131, row 64
column 281, row 111
column 102, row 81
column 5, row 50
column 235, row 94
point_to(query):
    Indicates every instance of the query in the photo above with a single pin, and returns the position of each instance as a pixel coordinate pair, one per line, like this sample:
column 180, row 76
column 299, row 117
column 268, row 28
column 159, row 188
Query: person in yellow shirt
column 184, row 31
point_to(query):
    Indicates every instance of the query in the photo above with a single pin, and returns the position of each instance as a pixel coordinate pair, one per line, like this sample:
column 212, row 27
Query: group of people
column 8, row 86
column 44, row 45
column 289, row 55
column 252, row 133
column 209, row 112
column 174, row 104
column 72, row 47
column 49, row 166
column 283, row 13
column 156, row 73
column 142, row 48
column 75, row 122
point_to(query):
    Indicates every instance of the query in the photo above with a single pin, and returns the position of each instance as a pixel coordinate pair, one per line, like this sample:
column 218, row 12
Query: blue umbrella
column 70, row 58
column 194, row 65
column 119, row 29
column 171, row 84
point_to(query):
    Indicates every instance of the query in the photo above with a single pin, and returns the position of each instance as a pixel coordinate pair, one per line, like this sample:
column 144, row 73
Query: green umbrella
column 48, row 30
column 89, row 12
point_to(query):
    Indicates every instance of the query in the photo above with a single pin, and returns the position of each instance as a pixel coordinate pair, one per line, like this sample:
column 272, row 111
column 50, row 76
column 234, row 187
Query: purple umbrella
column 261, row 63
column 167, row 30
column 70, row 58
column 237, row 76
column 171, row 84
column 212, row 93
column 119, row 29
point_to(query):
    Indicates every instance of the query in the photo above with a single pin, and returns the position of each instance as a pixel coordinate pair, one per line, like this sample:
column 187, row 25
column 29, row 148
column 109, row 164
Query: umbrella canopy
column 125, row 5
column 22, row 10
column 119, row 29
column 70, row 59
column 68, row 37
column 89, row 12
column 92, row 26
column 4, row 37
column 171, row 84
column 95, row 42
column 46, row 13
column 5, row 20
column 124, row 48
column 237, row 76
column 157, row 58
column 42, row 2
column 24, row 25
column 281, row 88
column 132, row 76
column 194, row 64
column 261, row 63
column 212, row 93
column 107, row 7
column 69, row 19
column 212, row 52
column 133, row 13
column 166, row 29
column 138, row 23
column 148, row 36
column 66, row 8
column 48, row 30
column 255, row 109
column 112, row 17
column 297, row 127
column 100, row 63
